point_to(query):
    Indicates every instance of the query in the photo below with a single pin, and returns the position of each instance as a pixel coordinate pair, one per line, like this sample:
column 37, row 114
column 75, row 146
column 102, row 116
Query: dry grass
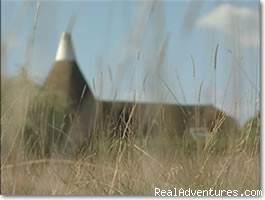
column 133, row 166
column 130, row 167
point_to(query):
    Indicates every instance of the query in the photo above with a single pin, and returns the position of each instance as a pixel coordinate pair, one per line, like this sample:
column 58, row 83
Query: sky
column 188, row 52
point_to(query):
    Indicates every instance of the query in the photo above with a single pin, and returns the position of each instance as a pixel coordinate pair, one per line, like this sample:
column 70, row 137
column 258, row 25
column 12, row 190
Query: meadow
column 121, row 165
column 115, row 166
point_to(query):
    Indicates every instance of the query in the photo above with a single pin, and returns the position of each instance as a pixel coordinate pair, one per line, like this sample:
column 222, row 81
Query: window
column 198, row 131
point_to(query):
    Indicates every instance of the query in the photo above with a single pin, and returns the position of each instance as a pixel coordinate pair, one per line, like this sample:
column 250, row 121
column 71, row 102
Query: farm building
column 87, row 113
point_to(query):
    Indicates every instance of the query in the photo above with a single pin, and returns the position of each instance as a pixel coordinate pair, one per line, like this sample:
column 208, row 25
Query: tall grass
column 131, row 166
column 35, row 160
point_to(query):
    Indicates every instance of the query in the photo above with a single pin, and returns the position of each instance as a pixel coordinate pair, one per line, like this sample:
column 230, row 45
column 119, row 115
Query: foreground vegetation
column 33, row 127
column 132, row 166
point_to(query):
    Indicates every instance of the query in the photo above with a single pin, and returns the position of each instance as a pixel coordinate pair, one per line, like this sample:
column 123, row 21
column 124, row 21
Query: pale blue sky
column 127, row 37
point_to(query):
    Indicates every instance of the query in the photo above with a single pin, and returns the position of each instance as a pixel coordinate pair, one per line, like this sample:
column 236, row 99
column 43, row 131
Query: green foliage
column 44, row 125
column 251, row 133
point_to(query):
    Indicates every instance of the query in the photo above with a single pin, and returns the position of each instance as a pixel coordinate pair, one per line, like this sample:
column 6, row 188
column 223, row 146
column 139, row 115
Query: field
column 136, row 164
column 120, row 167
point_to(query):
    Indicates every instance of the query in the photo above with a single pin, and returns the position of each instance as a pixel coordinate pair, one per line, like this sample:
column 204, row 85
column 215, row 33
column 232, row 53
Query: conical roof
column 65, row 49
column 65, row 80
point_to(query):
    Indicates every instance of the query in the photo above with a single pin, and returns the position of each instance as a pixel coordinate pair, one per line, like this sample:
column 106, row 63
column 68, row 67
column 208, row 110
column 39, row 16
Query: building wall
column 144, row 119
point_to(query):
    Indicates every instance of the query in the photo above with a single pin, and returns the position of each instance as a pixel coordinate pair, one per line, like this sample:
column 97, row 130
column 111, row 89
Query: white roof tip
column 65, row 49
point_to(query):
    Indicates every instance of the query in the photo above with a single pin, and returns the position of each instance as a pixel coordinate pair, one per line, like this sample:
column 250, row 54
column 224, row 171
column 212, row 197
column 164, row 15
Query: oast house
column 89, row 115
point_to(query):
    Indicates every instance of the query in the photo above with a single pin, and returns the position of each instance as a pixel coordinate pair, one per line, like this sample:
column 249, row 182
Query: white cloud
column 240, row 23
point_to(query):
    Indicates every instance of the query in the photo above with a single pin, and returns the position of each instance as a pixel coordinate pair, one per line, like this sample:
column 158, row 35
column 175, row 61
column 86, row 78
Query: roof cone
column 65, row 49
column 65, row 78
